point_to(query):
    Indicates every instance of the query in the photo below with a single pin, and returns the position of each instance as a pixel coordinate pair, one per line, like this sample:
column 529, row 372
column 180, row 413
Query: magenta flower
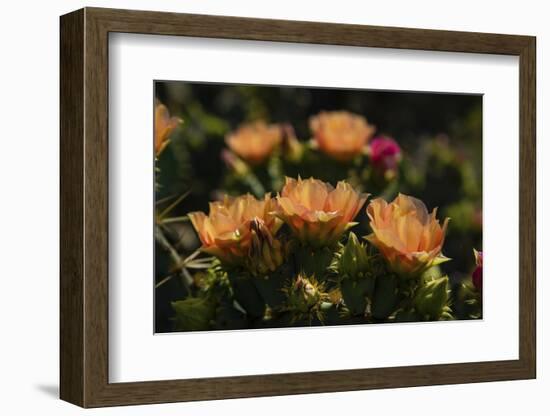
column 477, row 275
column 385, row 155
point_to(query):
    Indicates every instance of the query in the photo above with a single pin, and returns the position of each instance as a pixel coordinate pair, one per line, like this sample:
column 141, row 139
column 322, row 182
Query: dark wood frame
column 84, row 207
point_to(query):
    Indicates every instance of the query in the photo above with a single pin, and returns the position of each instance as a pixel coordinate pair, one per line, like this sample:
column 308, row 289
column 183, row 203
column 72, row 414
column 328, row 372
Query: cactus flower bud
column 431, row 298
column 356, row 280
column 265, row 253
column 305, row 296
column 354, row 261
column 385, row 155
column 308, row 291
column 477, row 275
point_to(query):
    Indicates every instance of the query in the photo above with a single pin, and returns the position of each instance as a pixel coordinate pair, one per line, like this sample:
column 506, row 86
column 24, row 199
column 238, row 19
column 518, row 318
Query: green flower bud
column 356, row 278
column 306, row 294
column 305, row 298
column 354, row 261
column 431, row 298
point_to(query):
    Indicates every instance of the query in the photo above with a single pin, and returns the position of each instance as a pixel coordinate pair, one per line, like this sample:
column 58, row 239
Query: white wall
column 29, row 206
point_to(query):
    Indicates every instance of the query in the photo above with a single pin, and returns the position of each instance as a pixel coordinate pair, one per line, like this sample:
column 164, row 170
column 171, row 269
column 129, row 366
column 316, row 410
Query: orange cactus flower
column 407, row 236
column 235, row 228
column 164, row 126
column 317, row 213
column 340, row 134
column 255, row 142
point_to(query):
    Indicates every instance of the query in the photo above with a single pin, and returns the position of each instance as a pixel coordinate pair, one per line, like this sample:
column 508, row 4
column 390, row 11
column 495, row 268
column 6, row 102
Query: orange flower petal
column 404, row 232
column 317, row 213
column 226, row 231
column 340, row 134
column 255, row 142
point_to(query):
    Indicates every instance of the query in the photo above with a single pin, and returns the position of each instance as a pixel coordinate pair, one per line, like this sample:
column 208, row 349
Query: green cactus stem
column 271, row 286
column 312, row 261
column 355, row 294
column 431, row 299
column 246, row 294
column 227, row 317
column 386, row 296
column 356, row 280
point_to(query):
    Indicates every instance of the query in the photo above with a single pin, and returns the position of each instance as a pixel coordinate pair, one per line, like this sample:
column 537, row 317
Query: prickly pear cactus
column 280, row 250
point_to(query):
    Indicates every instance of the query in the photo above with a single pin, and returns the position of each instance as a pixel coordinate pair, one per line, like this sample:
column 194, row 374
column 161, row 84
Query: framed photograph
column 260, row 207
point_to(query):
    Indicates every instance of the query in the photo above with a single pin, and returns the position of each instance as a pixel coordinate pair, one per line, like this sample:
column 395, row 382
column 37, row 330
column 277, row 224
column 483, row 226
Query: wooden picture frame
column 84, row 207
